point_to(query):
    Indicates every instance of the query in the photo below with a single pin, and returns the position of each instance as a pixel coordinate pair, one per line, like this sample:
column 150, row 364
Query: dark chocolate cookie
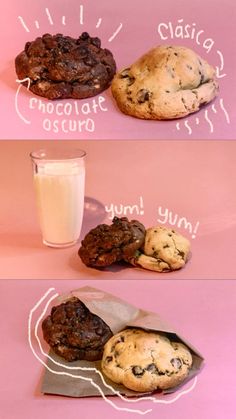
column 107, row 244
column 63, row 67
column 73, row 332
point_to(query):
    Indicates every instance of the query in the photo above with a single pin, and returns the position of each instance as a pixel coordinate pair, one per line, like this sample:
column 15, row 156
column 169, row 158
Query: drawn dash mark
column 197, row 121
column 99, row 22
column 81, row 14
column 224, row 110
column 63, row 20
column 188, row 127
column 208, row 120
column 115, row 33
column 49, row 16
column 177, row 126
column 214, row 109
column 23, row 23
column 36, row 24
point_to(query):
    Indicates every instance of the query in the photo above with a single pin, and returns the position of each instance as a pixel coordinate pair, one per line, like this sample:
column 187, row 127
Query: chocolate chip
column 84, row 36
column 109, row 359
column 175, row 53
column 152, row 369
column 182, row 254
column 143, row 95
column 96, row 41
column 166, row 246
column 125, row 73
column 176, row 362
column 137, row 371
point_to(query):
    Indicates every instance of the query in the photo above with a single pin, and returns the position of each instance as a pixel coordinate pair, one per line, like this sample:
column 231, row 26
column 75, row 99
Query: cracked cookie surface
column 106, row 244
column 73, row 332
column 145, row 361
column 64, row 67
column 164, row 250
column 167, row 82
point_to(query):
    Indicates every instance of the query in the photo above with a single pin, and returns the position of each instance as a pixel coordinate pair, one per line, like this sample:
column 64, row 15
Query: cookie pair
column 158, row 248
column 165, row 83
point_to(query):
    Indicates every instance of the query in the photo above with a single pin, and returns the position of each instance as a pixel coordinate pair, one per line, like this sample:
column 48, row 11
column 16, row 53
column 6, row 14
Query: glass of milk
column 59, row 178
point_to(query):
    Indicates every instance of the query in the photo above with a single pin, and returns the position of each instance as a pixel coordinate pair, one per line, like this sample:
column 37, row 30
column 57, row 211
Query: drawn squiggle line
column 188, row 127
column 99, row 22
column 49, row 16
column 213, row 108
column 94, row 369
column 66, row 373
column 16, row 99
column 81, row 14
column 79, row 368
column 23, row 23
column 224, row 110
column 115, row 33
column 218, row 75
column 221, row 59
column 209, row 121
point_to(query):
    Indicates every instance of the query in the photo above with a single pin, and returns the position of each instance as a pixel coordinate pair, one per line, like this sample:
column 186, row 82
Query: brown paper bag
column 119, row 315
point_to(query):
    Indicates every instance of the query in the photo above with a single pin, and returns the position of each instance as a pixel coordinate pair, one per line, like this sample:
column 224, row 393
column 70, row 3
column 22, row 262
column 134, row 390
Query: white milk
column 60, row 200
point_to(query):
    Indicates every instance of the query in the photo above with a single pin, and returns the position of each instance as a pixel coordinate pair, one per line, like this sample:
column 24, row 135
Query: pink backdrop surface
column 208, row 27
column 195, row 180
column 202, row 311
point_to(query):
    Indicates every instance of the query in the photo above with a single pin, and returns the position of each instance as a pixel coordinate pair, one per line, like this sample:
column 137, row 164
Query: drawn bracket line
column 26, row 121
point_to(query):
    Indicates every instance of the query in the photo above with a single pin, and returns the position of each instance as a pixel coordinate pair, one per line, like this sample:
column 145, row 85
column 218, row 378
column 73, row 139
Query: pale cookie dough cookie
column 164, row 250
column 165, row 83
column 145, row 361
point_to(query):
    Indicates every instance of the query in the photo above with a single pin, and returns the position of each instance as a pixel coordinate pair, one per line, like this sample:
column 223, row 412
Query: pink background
column 139, row 33
column 202, row 311
column 196, row 180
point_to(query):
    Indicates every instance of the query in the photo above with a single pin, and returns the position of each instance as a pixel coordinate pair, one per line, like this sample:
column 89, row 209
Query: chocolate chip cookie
column 73, row 332
column 145, row 361
column 164, row 250
column 107, row 244
column 167, row 82
column 63, row 67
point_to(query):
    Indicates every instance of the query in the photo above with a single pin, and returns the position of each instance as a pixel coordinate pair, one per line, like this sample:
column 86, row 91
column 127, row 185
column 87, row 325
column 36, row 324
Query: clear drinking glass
column 59, row 179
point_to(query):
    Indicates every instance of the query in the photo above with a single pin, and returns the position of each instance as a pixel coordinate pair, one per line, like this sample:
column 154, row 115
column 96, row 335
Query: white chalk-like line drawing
column 78, row 368
column 218, row 69
column 81, row 14
column 36, row 24
column 224, row 110
column 116, row 32
column 206, row 115
column 90, row 369
column 16, row 99
column 208, row 120
column 49, row 16
column 213, row 108
column 66, row 373
column 23, row 23
column 99, row 22
column 188, row 127
column 63, row 20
